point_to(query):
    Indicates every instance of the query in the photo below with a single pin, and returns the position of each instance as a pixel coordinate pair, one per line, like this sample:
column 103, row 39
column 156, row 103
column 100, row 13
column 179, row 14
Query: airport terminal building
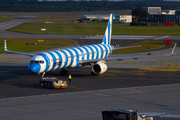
column 159, row 17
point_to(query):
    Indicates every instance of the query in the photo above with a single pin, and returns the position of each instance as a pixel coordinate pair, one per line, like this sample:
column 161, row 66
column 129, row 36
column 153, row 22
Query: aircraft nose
column 34, row 68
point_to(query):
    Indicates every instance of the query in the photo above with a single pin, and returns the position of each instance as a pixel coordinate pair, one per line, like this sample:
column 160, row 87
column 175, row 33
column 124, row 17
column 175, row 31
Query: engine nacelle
column 99, row 68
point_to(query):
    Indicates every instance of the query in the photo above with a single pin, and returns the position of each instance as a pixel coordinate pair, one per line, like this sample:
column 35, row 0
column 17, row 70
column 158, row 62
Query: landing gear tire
column 66, row 72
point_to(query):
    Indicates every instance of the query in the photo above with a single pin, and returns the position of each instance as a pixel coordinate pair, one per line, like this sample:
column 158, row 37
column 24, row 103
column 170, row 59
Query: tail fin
column 107, row 35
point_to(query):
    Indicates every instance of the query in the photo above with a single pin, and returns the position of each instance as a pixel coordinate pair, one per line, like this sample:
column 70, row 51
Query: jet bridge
column 133, row 115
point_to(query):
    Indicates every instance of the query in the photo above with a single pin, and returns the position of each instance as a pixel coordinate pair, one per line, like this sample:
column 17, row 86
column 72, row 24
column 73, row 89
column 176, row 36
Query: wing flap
column 118, row 58
column 121, row 58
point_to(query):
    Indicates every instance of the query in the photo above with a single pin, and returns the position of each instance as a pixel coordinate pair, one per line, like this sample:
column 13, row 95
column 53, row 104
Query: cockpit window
column 35, row 62
column 41, row 61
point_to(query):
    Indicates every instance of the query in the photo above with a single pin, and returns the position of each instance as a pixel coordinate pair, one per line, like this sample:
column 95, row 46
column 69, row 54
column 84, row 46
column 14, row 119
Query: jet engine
column 99, row 68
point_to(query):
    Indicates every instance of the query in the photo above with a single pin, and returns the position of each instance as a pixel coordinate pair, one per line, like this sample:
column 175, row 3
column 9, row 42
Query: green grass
column 52, row 17
column 146, row 30
column 67, row 27
column 60, row 27
column 6, row 18
column 145, row 45
column 19, row 44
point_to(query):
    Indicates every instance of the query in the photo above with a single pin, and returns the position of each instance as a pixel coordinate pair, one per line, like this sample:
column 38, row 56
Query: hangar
column 117, row 18
column 91, row 17
column 123, row 18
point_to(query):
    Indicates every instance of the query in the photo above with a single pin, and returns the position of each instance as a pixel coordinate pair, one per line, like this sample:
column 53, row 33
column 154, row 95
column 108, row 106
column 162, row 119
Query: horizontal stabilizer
column 126, row 47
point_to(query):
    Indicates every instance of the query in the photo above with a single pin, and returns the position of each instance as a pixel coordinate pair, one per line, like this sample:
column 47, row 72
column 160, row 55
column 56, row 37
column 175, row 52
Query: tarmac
column 145, row 84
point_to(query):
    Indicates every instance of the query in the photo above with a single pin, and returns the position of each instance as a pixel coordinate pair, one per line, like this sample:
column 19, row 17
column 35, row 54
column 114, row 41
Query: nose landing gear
column 43, row 74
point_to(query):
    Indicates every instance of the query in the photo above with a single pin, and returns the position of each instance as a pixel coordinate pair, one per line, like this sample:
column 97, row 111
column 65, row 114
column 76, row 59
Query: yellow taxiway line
column 158, row 68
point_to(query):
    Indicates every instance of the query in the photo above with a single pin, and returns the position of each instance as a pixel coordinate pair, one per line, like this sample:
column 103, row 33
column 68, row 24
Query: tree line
column 69, row 5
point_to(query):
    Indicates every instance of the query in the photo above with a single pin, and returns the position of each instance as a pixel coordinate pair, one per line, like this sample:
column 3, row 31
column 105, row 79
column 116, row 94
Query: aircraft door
column 60, row 62
column 47, row 60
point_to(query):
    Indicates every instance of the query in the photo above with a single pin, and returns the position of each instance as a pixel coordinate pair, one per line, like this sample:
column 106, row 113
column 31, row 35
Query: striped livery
column 73, row 57
column 107, row 35
column 78, row 56
column 49, row 61
column 68, row 57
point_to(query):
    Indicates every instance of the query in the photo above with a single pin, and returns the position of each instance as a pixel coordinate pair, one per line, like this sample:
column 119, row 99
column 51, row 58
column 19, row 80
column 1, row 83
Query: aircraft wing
column 28, row 54
column 126, row 47
column 121, row 58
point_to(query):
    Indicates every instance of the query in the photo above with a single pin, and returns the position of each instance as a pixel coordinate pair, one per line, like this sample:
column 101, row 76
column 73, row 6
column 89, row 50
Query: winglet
column 172, row 53
column 5, row 47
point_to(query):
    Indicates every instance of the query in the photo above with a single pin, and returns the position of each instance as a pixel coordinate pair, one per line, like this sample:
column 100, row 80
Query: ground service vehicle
column 119, row 115
column 132, row 115
column 53, row 83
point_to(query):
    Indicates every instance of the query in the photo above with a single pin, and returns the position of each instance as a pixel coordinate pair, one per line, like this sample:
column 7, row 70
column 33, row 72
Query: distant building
column 123, row 18
column 165, row 16
column 160, row 18
column 117, row 18
column 99, row 17
column 153, row 10
column 169, row 12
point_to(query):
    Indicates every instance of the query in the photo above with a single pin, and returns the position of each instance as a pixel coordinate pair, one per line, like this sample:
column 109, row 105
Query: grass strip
column 68, row 27
column 6, row 18
column 53, row 17
column 20, row 44
column 145, row 45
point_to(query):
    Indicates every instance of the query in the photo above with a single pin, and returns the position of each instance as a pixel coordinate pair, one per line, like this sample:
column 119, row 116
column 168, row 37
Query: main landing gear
column 63, row 71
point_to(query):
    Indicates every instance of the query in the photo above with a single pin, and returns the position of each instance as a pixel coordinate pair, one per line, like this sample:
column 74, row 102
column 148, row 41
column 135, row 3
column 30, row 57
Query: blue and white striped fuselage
column 52, row 60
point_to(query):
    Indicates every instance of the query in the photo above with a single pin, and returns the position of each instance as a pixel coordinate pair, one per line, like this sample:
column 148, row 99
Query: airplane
column 94, row 55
